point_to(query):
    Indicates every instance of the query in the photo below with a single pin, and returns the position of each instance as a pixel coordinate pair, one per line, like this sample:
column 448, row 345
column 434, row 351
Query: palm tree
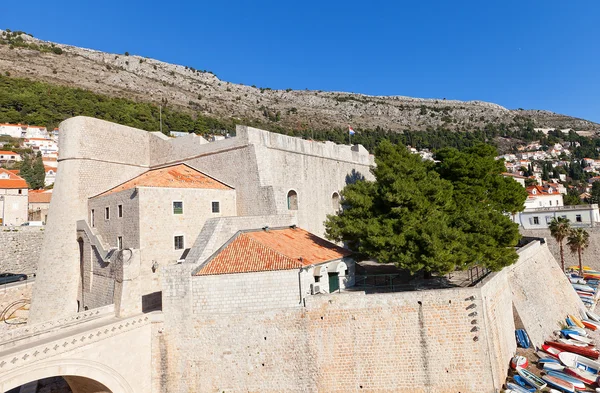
column 559, row 229
column 578, row 240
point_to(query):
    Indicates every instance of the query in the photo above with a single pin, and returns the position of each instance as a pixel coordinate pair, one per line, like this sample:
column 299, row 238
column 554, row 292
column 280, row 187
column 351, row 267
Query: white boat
column 593, row 316
column 577, row 361
column 572, row 342
column 584, row 288
column 585, row 340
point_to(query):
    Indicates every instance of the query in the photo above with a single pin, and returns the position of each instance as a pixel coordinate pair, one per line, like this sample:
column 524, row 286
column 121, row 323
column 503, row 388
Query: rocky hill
column 192, row 90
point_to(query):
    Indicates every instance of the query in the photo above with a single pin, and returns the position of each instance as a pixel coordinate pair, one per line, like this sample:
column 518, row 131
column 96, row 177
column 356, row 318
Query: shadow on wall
column 354, row 177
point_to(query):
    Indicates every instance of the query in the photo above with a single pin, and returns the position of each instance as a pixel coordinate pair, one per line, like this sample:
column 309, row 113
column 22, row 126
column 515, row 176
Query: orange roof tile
column 8, row 152
column 40, row 196
column 13, row 181
column 275, row 249
column 174, row 176
column 50, row 168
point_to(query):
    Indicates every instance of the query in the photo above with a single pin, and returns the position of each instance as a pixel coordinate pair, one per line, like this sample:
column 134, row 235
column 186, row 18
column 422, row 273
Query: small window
column 578, row 218
column 550, row 203
column 20, row 192
column 536, row 220
column 178, row 240
column 120, row 242
column 335, row 201
column 93, row 218
column 120, row 211
column 178, row 207
column 107, row 213
column 216, row 208
column 292, row 200
column 317, row 278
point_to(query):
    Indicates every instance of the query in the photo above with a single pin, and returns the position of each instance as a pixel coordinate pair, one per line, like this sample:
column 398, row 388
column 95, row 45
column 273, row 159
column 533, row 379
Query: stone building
column 39, row 203
column 13, row 198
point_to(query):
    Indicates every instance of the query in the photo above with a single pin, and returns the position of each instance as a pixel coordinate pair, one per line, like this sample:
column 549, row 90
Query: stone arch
column 335, row 201
column 81, row 375
column 292, row 200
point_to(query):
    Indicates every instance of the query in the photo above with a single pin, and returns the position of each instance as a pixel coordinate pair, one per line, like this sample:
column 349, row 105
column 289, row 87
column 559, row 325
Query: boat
column 597, row 324
column 588, row 352
column 576, row 321
column 519, row 380
column 553, row 367
column 576, row 361
column 569, row 322
column 573, row 342
column 516, row 388
column 577, row 383
column 585, row 340
column 519, row 361
column 559, row 384
column 532, row 379
column 583, row 288
column 522, row 338
column 585, row 376
column 573, row 330
column 593, row 316
column 552, row 351
column 589, row 325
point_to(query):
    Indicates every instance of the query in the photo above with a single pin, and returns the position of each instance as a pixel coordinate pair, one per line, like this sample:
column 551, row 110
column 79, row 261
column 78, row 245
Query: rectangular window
column 178, row 207
column 578, row 218
column 536, row 220
column 119, row 242
column 20, row 192
column 178, row 240
column 120, row 211
column 215, row 207
column 107, row 213
column 93, row 218
column 550, row 203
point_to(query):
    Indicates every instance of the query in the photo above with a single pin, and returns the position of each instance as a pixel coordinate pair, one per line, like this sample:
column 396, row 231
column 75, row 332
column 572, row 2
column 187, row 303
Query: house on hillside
column 46, row 146
column 543, row 196
column 7, row 156
column 50, row 175
column 39, row 204
column 13, row 198
column 23, row 131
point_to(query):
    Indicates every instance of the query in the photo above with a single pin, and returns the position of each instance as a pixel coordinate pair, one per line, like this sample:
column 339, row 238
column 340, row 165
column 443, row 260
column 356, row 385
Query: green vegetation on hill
column 14, row 40
column 38, row 103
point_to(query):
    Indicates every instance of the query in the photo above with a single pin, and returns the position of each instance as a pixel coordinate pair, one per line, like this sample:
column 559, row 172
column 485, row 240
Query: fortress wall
column 20, row 249
column 95, row 155
column 541, row 293
column 590, row 254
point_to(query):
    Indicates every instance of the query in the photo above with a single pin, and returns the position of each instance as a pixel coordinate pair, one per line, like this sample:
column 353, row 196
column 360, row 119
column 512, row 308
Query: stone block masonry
column 20, row 249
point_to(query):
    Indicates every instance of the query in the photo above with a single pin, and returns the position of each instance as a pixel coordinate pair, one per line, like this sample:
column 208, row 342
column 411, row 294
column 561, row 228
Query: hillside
column 200, row 92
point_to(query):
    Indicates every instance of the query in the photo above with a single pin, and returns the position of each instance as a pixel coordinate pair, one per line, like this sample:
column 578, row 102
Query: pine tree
column 38, row 173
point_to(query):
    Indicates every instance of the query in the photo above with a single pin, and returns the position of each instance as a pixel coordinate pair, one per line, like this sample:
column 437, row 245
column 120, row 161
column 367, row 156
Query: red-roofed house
column 39, row 203
column 23, row 131
column 543, row 196
column 160, row 213
column 13, row 198
column 50, row 175
column 9, row 156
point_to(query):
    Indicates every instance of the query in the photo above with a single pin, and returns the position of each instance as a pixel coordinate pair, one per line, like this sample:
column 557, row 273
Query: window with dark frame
column 93, row 218
column 178, row 207
column 215, row 207
column 578, row 218
column 119, row 242
column 536, row 220
column 120, row 210
column 107, row 213
column 178, row 242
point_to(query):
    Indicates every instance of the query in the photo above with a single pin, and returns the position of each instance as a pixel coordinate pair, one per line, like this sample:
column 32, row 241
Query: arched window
column 335, row 201
column 292, row 200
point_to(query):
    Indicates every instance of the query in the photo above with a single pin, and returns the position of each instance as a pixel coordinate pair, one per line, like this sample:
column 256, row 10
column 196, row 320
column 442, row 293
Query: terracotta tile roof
column 174, row 176
column 275, row 249
column 50, row 168
column 40, row 196
column 49, row 159
column 541, row 190
column 8, row 153
column 13, row 181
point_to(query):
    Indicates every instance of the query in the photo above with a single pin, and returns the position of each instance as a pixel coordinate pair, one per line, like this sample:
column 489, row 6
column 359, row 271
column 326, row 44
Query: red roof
column 174, row 176
column 13, row 181
column 540, row 190
column 50, row 168
column 8, row 153
column 40, row 196
column 273, row 249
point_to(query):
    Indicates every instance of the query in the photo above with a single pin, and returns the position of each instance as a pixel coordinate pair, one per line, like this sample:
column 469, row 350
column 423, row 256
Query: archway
column 80, row 302
column 292, row 200
column 82, row 376
column 335, row 201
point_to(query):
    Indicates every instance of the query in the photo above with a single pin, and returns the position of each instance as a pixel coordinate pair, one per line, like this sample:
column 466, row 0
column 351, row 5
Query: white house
column 46, row 146
column 7, row 156
column 543, row 196
column 13, row 198
column 23, row 131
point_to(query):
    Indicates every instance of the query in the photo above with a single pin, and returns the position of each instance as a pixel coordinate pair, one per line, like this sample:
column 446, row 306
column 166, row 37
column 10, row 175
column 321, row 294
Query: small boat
column 585, row 294
column 577, row 280
column 585, row 376
column 522, row 338
column 588, row 352
column 532, row 379
column 577, row 361
column 589, row 325
column 569, row 322
column 553, row 367
column 573, row 342
column 576, row 321
column 519, row 361
column 574, row 330
column 552, row 351
column 559, row 384
column 593, row 316
column 597, row 324
column 516, row 388
column 585, row 340
column 519, row 380
column 577, row 383
column 584, row 288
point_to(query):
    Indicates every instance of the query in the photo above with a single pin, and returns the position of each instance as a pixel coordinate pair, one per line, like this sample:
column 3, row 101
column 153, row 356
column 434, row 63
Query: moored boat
column 577, row 383
column 577, row 361
column 587, row 352
column 585, row 376
column 559, row 384
column 532, row 379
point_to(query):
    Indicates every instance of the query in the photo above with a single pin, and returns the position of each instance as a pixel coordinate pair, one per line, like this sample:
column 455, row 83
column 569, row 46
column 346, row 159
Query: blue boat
column 522, row 338
column 576, row 382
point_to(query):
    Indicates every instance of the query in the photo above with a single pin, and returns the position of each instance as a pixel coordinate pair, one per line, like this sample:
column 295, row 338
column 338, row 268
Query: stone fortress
column 212, row 251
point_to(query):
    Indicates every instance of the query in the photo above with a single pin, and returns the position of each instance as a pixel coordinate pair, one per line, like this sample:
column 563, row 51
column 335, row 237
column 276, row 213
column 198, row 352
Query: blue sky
column 529, row 54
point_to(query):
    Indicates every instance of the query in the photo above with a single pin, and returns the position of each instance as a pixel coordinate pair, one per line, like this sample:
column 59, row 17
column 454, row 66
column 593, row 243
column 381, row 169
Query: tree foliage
column 560, row 228
column 578, row 240
column 33, row 171
column 429, row 218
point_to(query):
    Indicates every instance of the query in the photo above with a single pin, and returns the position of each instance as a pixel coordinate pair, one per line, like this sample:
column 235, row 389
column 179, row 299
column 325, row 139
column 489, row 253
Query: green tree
column 38, row 173
column 578, row 240
column 595, row 192
column 26, row 169
column 560, row 228
column 572, row 197
column 413, row 216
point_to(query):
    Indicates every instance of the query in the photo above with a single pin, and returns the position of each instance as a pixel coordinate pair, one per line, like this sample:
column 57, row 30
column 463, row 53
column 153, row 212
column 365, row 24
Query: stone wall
column 590, row 254
column 10, row 294
column 20, row 249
